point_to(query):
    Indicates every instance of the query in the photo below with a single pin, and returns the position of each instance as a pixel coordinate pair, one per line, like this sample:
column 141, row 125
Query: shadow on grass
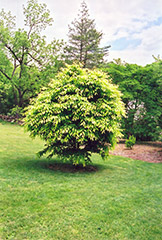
column 54, row 165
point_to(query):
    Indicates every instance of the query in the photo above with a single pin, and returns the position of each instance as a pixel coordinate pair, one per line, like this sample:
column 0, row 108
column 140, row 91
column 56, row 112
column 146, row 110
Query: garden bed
column 145, row 151
column 12, row 119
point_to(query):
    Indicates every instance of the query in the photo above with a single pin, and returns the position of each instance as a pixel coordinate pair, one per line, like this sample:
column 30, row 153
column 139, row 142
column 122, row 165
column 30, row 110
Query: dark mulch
column 65, row 167
column 145, row 151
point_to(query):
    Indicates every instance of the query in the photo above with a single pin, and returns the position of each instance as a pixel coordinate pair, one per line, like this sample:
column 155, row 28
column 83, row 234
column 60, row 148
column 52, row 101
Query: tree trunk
column 21, row 100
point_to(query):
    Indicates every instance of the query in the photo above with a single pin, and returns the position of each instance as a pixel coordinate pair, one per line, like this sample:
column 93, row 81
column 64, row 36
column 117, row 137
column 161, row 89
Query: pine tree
column 84, row 41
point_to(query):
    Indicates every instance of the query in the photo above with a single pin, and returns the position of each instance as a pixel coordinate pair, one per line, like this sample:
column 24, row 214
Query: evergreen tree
column 84, row 41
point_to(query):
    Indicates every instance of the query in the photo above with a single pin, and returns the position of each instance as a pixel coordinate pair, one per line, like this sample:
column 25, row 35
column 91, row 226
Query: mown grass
column 122, row 200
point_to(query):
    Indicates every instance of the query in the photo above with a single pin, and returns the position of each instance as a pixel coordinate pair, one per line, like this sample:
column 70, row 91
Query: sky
column 133, row 28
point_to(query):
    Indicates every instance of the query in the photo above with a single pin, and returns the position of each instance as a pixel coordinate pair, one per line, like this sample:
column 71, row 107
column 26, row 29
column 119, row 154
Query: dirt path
column 145, row 151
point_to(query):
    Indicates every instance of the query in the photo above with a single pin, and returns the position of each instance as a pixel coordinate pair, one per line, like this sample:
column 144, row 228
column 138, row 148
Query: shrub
column 130, row 142
column 78, row 114
column 16, row 112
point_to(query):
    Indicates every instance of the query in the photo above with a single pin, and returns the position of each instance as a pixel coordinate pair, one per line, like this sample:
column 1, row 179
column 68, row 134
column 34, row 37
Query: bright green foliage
column 78, row 114
column 84, row 41
column 130, row 142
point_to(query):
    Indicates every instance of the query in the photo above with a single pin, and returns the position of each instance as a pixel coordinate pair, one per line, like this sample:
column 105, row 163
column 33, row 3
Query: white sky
column 133, row 28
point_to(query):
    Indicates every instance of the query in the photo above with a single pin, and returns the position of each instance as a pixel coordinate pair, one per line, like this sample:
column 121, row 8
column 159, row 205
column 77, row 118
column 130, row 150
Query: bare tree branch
column 15, row 66
column 35, row 59
column 9, row 78
column 9, row 48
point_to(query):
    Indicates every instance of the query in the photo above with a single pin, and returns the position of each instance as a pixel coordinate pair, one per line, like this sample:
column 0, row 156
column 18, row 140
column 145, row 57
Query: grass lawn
column 122, row 200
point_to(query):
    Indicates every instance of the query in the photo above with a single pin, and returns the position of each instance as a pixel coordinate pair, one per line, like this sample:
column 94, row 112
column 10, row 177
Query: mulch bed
column 12, row 119
column 65, row 167
column 145, row 151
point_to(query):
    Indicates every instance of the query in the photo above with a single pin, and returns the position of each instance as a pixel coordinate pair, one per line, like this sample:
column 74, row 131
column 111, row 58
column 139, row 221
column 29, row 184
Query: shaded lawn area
column 121, row 200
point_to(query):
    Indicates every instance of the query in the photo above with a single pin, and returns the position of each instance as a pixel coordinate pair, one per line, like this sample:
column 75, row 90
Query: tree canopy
column 79, row 113
column 28, row 63
column 24, row 54
column 142, row 91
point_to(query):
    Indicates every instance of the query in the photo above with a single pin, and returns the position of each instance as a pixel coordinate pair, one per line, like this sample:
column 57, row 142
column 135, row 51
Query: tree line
column 28, row 62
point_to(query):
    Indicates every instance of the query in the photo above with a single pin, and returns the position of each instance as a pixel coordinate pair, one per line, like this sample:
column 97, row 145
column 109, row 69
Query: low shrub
column 130, row 142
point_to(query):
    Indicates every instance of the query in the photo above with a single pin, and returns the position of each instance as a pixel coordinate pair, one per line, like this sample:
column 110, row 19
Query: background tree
column 141, row 88
column 6, row 92
column 24, row 54
column 78, row 114
column 84, row 41
column 151, row 119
